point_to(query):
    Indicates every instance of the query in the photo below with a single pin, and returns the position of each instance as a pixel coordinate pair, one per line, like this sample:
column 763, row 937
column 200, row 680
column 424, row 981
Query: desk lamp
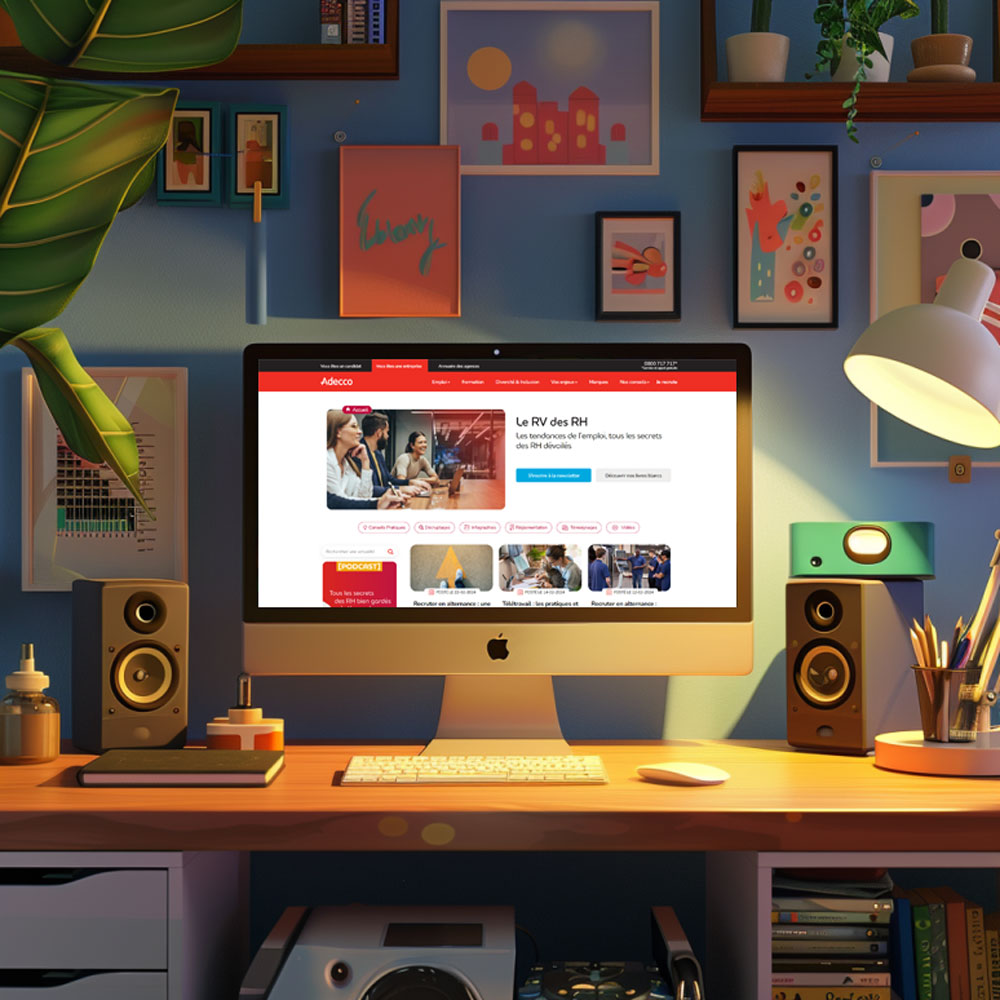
column 935, row 366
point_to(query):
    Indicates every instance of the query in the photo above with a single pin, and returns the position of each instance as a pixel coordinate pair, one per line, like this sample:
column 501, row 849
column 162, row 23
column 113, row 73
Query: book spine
column 939, row 953
column 839, row 932
column 993, row 961
column 922, row 950
column 331, row 21
column 979, row 979
column 837, row 905
column 830, row 965
column 958, row 949
column 828, row 917
column 782, row 947
column 357, row 21
column 829, row 979
column 376, row 22
column 902, row 958
column 832, row 993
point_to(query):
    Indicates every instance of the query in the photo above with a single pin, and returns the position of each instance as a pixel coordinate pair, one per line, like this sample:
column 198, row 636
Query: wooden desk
column 776, row 800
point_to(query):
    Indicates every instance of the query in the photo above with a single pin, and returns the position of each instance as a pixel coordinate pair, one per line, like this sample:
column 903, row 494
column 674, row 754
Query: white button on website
column 434, row 527
column 633, row 476
column 528, row 527
column 579, row 527
column 623, row 527
column 479, row 527
column 374, row 527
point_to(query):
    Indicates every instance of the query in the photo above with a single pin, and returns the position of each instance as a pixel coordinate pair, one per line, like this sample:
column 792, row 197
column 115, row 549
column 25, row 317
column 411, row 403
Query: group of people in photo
column 357, row 474
column 538, row 567
column 644, row 567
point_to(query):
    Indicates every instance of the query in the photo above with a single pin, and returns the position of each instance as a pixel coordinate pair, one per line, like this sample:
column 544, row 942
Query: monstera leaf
column 128, row 36
column 70, row 153
column 89, row 421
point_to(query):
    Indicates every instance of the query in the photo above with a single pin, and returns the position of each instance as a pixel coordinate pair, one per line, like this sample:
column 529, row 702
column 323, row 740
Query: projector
column 386, row 953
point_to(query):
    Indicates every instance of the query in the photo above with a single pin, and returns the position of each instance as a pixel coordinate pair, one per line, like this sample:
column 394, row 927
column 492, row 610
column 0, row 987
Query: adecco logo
column 330, row 380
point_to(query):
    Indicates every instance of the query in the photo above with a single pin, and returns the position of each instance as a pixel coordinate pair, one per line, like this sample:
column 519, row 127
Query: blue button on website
column 553, row 475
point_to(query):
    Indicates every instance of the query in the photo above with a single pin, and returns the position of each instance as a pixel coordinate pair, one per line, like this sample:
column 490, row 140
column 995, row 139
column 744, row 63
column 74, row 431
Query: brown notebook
column 186, row 767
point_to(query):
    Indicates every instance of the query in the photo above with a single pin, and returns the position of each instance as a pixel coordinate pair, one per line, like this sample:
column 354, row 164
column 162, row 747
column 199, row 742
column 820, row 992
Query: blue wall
column 168, row 289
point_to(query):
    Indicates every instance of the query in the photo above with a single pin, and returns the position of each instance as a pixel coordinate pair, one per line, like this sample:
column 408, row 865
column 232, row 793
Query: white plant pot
column 879, row 73
column 757, row 57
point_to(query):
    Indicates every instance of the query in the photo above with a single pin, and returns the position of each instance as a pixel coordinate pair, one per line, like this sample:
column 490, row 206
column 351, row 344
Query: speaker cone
column 144, row 676
column 824, row 674
column 418, row 983
column 145, row 612
column 824, row 611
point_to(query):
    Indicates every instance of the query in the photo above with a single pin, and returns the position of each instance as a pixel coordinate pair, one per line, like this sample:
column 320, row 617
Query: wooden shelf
column 777, row 102
column 257, row 62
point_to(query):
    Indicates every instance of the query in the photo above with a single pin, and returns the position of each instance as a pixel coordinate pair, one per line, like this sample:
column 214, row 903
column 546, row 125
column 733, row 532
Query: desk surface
column 777, row 799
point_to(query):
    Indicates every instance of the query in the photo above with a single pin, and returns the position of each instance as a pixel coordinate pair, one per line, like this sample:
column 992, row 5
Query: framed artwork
column 921, row 221
column 638, row 265
column 259, row 147
column 189, row 167
column 551, row 86
column 77, row 520
column 400, row 231
column 785, row 236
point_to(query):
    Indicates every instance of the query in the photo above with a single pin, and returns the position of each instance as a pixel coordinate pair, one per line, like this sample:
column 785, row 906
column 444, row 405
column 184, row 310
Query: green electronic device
column 882, row 550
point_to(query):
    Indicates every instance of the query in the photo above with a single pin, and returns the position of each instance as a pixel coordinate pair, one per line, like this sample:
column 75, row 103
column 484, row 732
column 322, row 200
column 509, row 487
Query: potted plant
column 852, row 45
column 941, row 56
column 758, row 55
column 83, row 152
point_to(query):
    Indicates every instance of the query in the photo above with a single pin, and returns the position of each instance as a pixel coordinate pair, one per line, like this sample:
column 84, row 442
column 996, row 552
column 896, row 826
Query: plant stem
column 939, row 17
column 760, row 15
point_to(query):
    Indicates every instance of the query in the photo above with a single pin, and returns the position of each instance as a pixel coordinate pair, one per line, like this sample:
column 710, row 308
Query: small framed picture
column 785, row 236
column 189, row 167
column 259, row 148
column 638, row 265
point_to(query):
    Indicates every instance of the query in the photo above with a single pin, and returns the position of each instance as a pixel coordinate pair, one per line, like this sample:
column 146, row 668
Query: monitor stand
column 498, row 714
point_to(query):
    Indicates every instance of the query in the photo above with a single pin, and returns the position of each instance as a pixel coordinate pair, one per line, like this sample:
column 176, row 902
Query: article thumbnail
column 414, row 459
column 637, row 567
column 527, row 566
column 451, row 567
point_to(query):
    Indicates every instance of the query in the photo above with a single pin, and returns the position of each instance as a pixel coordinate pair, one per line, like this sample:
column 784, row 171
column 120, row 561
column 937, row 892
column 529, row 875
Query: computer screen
column 521, row 510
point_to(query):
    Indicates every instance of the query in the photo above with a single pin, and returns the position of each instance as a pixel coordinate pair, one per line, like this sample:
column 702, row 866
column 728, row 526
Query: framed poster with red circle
column 400, row 231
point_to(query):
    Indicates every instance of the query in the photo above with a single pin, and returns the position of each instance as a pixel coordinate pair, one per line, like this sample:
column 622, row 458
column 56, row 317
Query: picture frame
column 896, row 198
column 501, row 94
column 785, row 236
column 77, row 519
column 189, row 167
column 638, row 265
column 258, row 140
column 413, row 266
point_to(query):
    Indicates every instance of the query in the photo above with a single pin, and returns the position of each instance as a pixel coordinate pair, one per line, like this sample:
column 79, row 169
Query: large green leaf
column 70, row 153
column 89, row 421
column 128, row 36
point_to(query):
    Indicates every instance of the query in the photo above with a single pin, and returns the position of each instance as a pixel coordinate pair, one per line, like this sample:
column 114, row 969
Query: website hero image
column 503, row 485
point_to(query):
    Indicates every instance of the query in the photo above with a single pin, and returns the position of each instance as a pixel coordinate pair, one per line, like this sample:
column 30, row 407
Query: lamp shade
column 934, row 365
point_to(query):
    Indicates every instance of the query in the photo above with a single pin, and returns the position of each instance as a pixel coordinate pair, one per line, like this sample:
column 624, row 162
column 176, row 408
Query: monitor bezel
column 253, row 354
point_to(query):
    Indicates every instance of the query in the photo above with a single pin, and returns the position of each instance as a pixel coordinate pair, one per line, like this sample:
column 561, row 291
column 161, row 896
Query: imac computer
column 523, row 510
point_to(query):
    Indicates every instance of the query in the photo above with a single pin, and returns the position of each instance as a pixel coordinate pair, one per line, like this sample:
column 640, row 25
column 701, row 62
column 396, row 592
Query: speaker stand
column 909, row 751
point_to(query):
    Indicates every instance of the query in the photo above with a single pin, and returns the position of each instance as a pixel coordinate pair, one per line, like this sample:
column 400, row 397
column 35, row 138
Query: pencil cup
column 948, row 709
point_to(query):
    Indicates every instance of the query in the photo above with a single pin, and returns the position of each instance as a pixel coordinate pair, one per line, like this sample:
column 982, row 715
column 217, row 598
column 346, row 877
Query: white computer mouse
column 675, row 772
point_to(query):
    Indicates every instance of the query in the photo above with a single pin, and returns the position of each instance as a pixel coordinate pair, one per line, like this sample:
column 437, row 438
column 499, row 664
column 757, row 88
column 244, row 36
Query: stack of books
column 356, row 22
column 947, row 947
column 830, row 941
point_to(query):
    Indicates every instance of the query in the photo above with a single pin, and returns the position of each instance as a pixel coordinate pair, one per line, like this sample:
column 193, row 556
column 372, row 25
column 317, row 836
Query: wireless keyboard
column 556, row 769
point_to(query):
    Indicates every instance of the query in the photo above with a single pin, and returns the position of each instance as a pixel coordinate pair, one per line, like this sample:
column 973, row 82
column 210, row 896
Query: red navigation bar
column 414, row 378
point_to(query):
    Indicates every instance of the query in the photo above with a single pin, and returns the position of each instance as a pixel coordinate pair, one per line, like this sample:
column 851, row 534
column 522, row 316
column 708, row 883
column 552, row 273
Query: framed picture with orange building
column 551, row 86
column 259, row 152
column 400, row 231
column 189, row 167
column 638, row 265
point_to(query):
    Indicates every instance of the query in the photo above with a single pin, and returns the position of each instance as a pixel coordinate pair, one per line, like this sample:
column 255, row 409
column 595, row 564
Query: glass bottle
column 29, row 719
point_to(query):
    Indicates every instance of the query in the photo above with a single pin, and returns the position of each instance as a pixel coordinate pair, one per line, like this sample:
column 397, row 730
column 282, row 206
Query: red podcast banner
column 424, row 381
column 359, row 583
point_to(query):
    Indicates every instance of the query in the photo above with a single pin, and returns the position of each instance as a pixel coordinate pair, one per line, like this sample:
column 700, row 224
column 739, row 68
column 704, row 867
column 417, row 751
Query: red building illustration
column 544, row 134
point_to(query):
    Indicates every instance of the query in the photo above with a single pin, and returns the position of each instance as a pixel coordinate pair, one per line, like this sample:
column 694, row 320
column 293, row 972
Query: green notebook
column 187, row 767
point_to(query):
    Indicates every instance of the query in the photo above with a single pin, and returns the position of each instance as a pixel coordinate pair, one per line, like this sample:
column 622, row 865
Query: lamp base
column 909, row 751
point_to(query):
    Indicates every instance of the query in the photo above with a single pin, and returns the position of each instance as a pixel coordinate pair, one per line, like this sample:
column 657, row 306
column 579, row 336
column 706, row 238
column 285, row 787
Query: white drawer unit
column 137, row 925
column 87, row 986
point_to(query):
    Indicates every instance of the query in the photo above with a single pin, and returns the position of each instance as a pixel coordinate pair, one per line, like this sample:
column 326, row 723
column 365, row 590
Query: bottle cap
column 26, row 677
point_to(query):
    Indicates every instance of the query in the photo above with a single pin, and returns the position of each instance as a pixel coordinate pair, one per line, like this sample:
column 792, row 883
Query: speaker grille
column 824, row 673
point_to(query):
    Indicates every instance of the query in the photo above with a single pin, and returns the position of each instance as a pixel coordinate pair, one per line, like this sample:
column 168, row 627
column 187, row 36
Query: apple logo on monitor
column 497, row 648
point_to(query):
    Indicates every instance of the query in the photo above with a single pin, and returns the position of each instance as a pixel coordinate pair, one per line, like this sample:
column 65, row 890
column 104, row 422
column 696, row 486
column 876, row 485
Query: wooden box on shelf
column 249, row 62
